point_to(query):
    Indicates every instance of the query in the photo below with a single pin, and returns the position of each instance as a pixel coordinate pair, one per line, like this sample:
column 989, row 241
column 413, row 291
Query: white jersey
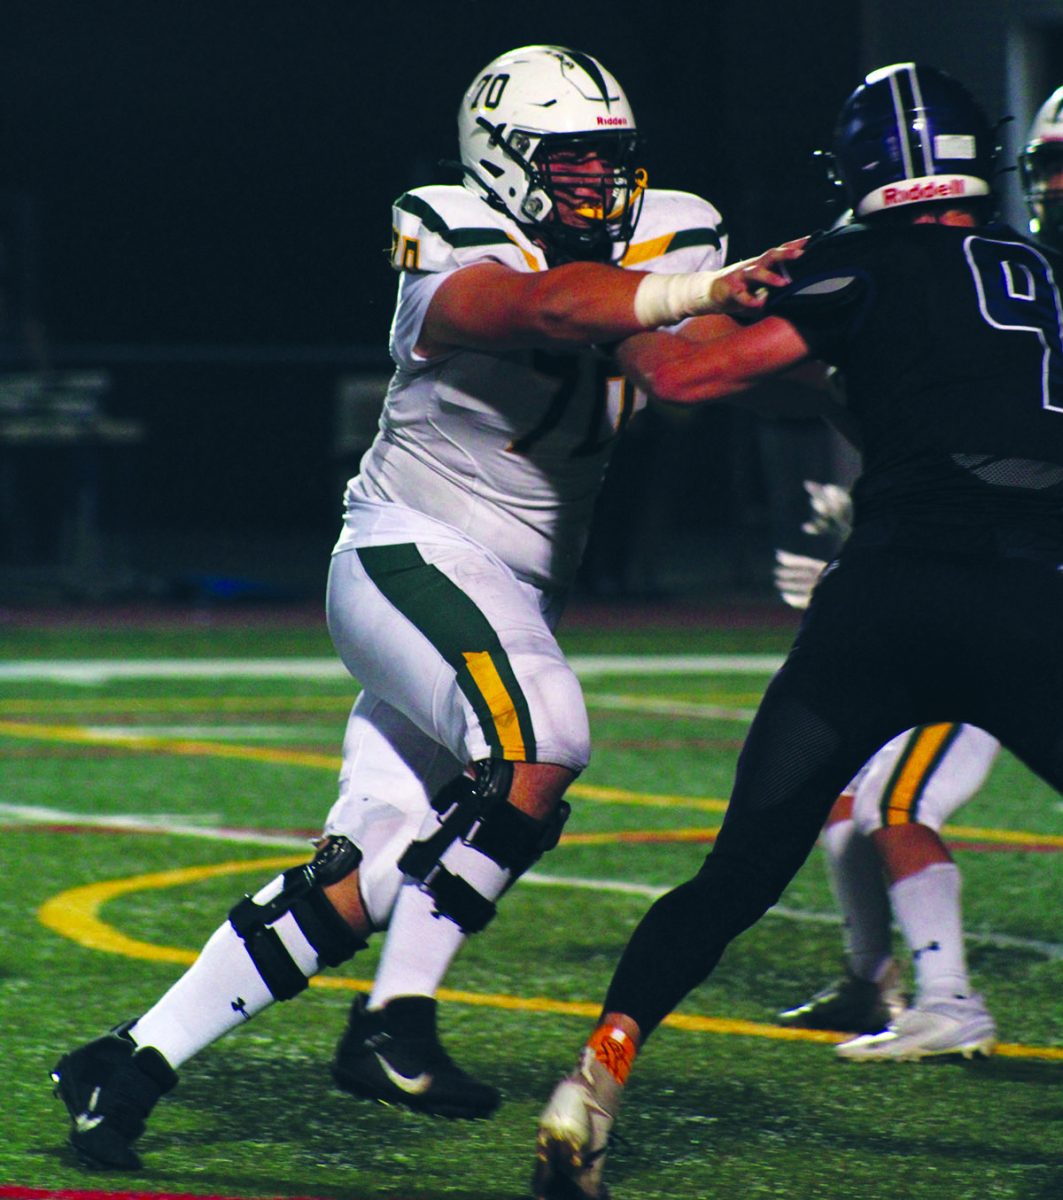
column 508, row 448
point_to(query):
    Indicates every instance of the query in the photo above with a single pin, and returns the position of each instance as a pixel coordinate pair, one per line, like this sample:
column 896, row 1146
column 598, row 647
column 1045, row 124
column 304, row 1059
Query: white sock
column 221, row 990
column 855, row 871
column 927, row 906
column 420, row 945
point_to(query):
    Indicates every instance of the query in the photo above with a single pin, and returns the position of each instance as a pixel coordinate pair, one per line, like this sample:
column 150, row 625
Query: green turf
column 707, row 1115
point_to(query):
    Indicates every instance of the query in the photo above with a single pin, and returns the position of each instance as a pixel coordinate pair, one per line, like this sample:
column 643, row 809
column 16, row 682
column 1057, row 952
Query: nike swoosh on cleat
column 415, row 1085
column 85, row 1124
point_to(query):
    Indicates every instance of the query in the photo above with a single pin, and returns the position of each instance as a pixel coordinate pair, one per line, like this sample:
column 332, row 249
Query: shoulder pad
column 672, row 223
column 441, row 228
column 831, row 272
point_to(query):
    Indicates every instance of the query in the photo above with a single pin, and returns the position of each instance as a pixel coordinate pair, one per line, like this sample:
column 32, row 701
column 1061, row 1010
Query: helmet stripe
column 908, row 134
column 902, row 126
column 926, row 133
column 594, row 71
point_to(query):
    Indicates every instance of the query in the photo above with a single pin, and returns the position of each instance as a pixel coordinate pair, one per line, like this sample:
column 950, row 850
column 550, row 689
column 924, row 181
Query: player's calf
column 274, row 945
column 481, row 845
column 288, row 930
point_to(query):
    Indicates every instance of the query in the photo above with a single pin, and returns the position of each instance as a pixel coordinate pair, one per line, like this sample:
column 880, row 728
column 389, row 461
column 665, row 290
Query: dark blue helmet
column 909, row 134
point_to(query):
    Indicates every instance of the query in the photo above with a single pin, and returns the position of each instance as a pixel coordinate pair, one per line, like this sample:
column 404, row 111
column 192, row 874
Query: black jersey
column 949, row 342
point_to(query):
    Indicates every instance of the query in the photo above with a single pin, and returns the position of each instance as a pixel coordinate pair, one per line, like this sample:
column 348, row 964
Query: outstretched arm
column 492, row 307
column 683, row 371
column 716, row 359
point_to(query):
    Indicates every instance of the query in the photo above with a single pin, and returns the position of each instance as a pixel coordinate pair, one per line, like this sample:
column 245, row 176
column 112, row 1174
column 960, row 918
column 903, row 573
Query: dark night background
column 221, row 172
column 197, row 201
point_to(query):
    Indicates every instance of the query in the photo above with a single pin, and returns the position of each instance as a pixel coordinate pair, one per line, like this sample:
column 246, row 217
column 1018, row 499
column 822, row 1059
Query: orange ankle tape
column 614, row 1050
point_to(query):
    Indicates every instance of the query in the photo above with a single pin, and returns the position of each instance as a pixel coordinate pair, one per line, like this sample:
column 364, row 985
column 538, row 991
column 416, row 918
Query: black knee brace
column 321, row 925
column 478, row 812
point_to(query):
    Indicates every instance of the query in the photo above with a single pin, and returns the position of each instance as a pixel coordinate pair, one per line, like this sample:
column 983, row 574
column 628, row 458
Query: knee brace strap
column 514, row 840
column 300, row 894
column 459, row 900
column 279, row 971
column 485, row 820
column 459, row 804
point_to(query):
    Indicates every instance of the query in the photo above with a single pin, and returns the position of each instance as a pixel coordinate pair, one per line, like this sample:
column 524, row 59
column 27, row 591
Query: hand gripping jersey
column 949, row 342
column 508, row 448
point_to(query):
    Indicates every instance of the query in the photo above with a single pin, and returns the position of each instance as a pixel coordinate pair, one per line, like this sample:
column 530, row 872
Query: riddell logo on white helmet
column 931, row 190
column 612, row 120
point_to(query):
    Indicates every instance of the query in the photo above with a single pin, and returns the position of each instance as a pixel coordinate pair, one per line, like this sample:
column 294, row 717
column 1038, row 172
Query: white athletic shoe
column 572, row 1140
column 933, row 1027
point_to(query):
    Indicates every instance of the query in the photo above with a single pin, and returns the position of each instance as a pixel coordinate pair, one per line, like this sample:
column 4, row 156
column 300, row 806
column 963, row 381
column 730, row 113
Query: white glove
column 795, row 576
column 832, row 510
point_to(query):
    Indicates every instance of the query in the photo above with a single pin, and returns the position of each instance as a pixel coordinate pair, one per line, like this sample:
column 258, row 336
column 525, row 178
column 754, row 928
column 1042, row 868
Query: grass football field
column 143, row 792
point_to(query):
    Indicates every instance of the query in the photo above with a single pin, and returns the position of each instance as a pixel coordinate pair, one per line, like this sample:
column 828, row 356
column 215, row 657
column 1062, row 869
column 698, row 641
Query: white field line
column 95, row 671
column 162, row 824
column 670, row 708
column 282, row 733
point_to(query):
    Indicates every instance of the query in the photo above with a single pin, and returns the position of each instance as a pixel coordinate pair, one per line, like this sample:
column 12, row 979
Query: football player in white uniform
column 462, row 532
column 886, row 859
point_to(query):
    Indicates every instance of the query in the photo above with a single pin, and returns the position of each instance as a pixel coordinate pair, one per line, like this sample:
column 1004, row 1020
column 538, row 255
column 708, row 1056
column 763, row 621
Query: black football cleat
column 849, row 1005
column 394, row 1056
column 109, row 1087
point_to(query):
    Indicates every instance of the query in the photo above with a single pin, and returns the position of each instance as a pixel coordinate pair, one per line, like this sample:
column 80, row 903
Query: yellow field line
column 1007, row 836
column 75, row 914
column 135, row 704
column 611, row 795
column 79, row 735
column 634, row 836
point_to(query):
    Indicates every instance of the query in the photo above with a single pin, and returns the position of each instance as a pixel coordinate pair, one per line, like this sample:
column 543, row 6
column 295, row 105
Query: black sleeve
column 831, row 290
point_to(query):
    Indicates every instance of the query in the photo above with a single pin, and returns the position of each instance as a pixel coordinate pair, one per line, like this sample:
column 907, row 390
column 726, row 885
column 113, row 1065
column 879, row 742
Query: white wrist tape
column 666, row 299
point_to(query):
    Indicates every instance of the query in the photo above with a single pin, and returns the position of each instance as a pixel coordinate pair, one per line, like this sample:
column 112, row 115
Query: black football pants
column 893, row 638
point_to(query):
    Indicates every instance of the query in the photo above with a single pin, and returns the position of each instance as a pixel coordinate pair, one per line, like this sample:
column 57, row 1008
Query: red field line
column 696, row 613
column 642, row 837
column 15, row 1192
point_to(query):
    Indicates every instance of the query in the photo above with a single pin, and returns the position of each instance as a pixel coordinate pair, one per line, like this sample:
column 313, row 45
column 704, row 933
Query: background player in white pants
column 886, row 860
column 462, row 532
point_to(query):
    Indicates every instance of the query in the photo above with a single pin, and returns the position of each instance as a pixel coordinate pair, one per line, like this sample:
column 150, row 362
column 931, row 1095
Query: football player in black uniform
column 884, row 829
column 944, row 603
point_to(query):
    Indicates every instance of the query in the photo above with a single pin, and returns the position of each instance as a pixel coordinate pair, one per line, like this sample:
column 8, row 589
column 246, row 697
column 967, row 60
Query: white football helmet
column 1041, row 167
column 526, row 116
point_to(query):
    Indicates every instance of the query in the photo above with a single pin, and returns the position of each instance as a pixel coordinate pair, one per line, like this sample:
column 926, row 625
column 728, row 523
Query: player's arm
column 817, row 394
column 682, row 370
column 489, row 306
